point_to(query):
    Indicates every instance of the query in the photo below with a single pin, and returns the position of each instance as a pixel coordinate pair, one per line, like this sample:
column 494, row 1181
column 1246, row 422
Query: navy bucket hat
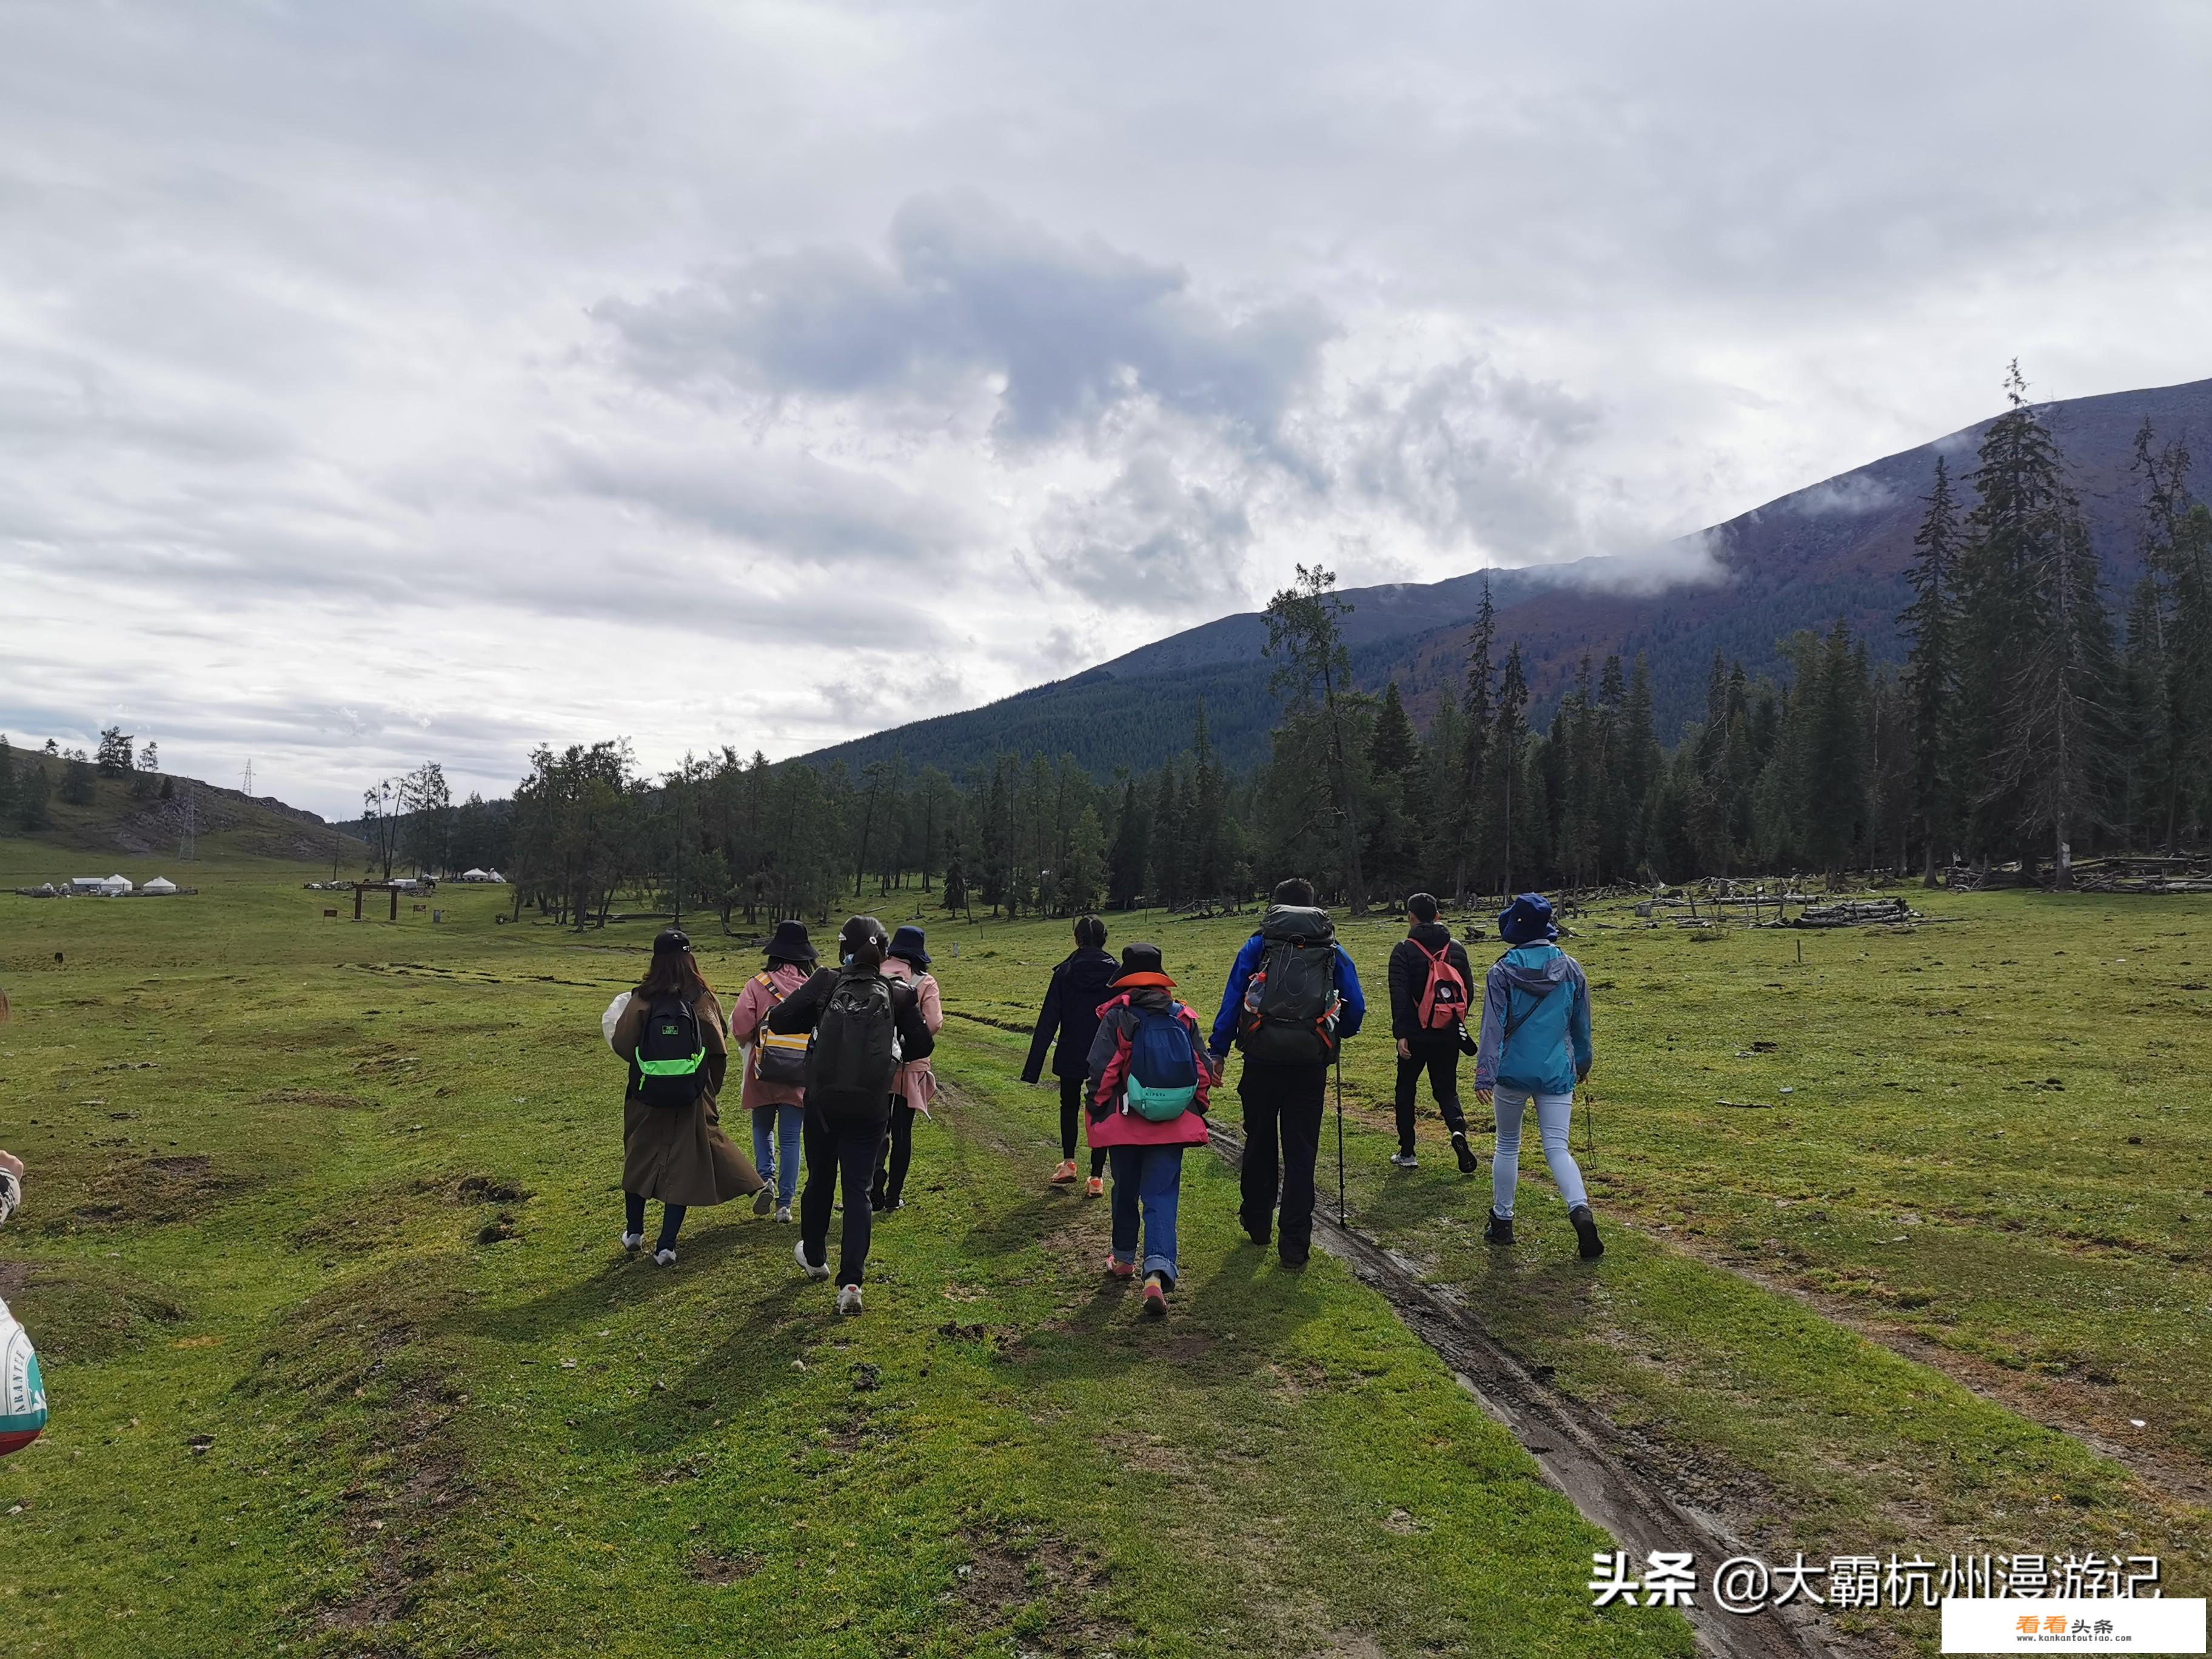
column 1527, row 920
column 908, row 943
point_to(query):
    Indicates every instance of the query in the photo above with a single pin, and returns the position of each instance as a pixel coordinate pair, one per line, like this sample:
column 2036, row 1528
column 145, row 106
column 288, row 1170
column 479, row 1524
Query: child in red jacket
column 1150, row 1079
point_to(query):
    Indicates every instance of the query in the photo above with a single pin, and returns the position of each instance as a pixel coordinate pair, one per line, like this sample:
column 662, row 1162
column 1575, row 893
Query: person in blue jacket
column 1306, row 1006
column 1535, row 1046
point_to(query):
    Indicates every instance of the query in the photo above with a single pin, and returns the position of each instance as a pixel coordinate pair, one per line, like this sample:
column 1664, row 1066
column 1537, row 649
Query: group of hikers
column 836, row 1065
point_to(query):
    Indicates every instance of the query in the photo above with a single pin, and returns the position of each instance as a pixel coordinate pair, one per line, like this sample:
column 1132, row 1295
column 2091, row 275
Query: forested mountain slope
column 1837, row 548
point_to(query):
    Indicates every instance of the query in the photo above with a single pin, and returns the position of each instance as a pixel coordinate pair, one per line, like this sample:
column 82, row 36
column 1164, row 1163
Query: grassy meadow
column 319, row 1250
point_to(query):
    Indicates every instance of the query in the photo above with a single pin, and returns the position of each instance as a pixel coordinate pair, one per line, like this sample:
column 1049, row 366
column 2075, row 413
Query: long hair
column 862, row 938
column 673, row 973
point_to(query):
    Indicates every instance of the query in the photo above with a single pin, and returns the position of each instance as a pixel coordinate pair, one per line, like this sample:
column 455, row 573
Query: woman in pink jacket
column 907, row 958
column 774, row 1092
column 1150, row 1079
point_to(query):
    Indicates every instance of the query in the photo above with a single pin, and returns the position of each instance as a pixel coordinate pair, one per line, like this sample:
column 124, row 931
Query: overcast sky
column 393, row 382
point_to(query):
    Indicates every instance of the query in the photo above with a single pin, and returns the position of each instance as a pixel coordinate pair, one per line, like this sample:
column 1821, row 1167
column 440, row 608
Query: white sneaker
column 664, row 1258
column 799, row 1255
column 1404, row 1161
column 848, row 1299
column 631, row 1240
column 783, row 1212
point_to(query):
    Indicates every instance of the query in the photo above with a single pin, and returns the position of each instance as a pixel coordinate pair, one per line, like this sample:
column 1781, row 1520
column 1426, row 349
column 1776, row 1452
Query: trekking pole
column 1341, row 1217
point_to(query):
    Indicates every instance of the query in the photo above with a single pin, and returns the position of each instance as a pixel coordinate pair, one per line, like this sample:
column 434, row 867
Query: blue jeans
column 778, row 1163
column 1147, row 1179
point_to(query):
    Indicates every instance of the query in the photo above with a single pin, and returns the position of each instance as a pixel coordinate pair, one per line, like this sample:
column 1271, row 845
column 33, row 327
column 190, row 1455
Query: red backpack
column 1444, row 999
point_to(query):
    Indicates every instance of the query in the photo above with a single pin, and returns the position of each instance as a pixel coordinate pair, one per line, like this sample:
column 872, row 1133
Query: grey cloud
column 1841, row 497
column 970, row 295
column 792, row 507
column 1152, row 540
column 1478, row 456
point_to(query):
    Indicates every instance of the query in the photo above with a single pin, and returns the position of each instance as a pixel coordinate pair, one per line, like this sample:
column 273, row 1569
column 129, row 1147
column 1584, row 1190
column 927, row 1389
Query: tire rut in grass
column 1571, row 1445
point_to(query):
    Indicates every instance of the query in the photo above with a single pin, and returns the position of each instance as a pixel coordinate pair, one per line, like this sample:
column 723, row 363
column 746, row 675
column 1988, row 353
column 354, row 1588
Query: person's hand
column 1405, row 1049
column 12, row 1164
column 1581, row 1074
column 1483, row 1097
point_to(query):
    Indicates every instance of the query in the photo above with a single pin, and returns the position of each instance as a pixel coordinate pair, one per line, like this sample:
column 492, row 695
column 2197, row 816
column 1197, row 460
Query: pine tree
column 6, row 777
column 76, row 779
column 1472, row 770
column 1932, row 670
column 1125, row 865
column 2049, row 678
column 1313, row 669
column 32, row 796
column 1393, row 764
column 2146, row 803
column 1506, row 818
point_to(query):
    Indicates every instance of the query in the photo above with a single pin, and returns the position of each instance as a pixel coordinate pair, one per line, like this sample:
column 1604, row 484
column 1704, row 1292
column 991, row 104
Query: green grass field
column 319, row 1250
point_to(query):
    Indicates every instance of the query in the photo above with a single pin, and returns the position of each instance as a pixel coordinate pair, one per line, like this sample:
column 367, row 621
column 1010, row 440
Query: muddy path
column 1576, row 1448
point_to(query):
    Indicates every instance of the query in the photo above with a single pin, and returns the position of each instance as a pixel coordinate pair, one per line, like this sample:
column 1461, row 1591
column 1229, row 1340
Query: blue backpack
column 1162, row 1067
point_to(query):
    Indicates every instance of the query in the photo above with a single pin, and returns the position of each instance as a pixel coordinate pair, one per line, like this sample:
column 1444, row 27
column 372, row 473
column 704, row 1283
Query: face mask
column 846, row 960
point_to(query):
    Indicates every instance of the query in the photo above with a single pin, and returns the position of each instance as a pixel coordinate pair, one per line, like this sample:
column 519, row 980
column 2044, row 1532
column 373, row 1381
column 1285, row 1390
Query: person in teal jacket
column 1535, row 1046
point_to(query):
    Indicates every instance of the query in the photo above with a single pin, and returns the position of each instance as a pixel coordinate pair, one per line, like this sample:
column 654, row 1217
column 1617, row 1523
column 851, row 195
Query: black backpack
column 1288, row 1015
column 856, row 1043
column 672, row 1055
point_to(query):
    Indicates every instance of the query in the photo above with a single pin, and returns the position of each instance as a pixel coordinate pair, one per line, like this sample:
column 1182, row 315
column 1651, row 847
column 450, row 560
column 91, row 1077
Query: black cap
column 671, row 938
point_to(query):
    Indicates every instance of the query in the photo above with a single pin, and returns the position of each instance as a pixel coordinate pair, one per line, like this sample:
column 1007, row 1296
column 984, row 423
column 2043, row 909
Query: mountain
column 120, row 822
column 1836, row 549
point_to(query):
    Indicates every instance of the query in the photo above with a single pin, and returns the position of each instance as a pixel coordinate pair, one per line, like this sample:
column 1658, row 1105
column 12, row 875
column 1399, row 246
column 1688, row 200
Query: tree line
column 2020, row 728
column 29, row 790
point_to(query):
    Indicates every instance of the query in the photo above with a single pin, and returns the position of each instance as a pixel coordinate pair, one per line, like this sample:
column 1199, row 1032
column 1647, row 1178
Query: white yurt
column 159, row 884
column 116, row 886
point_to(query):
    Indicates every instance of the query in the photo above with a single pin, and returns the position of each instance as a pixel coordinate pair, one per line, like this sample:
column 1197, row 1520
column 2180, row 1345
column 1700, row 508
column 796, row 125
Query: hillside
column 1837, row 548
column 132, row 818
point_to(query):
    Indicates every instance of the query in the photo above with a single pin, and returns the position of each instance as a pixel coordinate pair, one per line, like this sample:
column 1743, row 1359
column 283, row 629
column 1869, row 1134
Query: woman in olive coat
column 677, row 1154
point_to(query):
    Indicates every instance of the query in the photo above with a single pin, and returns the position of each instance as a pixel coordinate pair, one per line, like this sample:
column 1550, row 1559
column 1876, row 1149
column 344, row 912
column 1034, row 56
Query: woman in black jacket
column 1081, row 986
column 865, row 1024
column 1428, row 1017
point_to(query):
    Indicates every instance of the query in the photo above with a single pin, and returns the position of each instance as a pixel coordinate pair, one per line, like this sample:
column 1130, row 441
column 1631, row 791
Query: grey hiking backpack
column 1288, row 1015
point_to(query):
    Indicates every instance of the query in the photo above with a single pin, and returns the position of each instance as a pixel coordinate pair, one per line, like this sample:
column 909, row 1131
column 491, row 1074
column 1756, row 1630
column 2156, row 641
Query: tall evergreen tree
column 1313, row 669
column 1132, row 850
column 1471, row 773
column 1932, row 670
column 2042, row 658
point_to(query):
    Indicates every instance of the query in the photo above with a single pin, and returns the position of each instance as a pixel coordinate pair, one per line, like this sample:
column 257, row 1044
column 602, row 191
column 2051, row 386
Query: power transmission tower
column 249, row 779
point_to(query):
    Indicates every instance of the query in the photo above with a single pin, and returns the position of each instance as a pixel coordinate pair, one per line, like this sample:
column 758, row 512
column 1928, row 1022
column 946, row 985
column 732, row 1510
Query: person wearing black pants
column 851, row 1066
column 1431, row 986
column 841, row 1147
column 1081, row 986
column 1288, row 1050
column 1283, row 1110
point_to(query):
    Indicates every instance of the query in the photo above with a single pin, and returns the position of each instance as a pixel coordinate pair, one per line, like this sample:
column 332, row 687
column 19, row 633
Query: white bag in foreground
column 22, row 1391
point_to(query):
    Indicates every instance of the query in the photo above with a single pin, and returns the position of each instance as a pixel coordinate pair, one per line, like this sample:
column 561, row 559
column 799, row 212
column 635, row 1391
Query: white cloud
column 406, row 381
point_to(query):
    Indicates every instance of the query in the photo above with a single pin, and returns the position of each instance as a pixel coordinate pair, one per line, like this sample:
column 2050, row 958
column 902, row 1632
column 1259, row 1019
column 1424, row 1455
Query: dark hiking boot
column 1259, row 1234
column 1499, row 1231
column 1468, row 1162
column 1294, row 1256
column 1588, row 1245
